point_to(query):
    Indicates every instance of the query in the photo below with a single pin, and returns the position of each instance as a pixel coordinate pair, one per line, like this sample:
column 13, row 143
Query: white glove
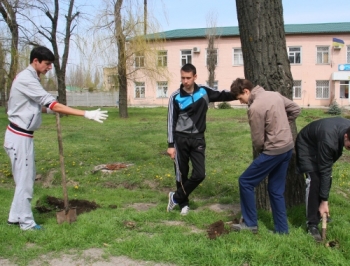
column 49, row 111
column 96, row 115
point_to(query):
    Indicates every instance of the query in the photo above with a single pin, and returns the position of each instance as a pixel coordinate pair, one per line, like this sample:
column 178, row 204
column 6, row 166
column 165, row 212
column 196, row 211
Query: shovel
column 68, row 214
column 324, row 226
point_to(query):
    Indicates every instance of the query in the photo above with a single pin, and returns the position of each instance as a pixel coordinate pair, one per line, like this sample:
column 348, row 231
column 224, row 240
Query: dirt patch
column 216, row 229
column 55, row 204
column 110, row 167
column 91, row 257
column 217, row 207
column 125, row 185
column 142, row 206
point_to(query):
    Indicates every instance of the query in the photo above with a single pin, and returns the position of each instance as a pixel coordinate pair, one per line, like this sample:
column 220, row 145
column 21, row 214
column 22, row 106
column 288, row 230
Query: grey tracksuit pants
column 20, row 148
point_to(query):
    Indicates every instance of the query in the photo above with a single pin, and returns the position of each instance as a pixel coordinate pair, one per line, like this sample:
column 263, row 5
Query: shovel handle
column 63, row 172
column 324, row 225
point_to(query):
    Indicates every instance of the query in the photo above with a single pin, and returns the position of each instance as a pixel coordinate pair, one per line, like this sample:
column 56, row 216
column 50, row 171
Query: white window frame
column 163, row 58
column 322, row 88
column 237, row 57
column 345, row 84
column 186, row 57
column 297, row 90
column 140, row 90
column 217, row 56
column 162, row 89
column 294, row 55
column 139, row 60
column 322, row 55
column 348, row 54
column 216, row 85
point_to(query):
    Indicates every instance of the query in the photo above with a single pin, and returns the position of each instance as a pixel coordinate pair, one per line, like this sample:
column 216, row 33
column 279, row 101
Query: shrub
column 224, row 105
column 334, row 109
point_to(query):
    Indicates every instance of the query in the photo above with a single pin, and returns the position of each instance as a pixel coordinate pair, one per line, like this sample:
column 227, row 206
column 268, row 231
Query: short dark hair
column 41, row 53
column 239, row 85
column 189, row 68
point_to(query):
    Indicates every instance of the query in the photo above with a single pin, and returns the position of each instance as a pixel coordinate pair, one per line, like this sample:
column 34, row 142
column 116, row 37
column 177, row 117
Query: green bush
column 334, row 109
column 224, row 105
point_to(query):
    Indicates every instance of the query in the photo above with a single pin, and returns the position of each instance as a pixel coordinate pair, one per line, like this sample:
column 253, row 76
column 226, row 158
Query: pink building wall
column 308, row 71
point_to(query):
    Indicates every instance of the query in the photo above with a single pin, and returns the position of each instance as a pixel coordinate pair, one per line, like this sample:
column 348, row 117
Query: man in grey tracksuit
column 27, row 101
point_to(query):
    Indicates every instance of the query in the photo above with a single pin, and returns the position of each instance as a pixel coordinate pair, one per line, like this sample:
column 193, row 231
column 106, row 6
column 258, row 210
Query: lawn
column 121, row 227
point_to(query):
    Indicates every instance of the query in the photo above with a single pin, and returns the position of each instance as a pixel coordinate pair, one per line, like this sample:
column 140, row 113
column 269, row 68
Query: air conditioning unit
column 196, row 49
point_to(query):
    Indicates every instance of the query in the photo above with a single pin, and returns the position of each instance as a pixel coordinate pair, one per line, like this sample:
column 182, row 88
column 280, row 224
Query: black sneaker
column 313, row 230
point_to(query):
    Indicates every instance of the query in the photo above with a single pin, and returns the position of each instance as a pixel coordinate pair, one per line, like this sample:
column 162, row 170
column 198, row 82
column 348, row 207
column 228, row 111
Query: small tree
column 334, row 109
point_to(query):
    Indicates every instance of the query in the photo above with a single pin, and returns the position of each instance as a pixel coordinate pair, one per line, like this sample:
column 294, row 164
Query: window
column 186, row 57
column 348, row 55
column 111, row 79
column 162, row 58
column 344, row 89
column 294, row 55
column 139, row 60
column 322, row 55
column 322, row 89
column 162, row 89
column 215, row 87
column 297, row 89
column 237, row 56
column 212, row 54
column 139, row 90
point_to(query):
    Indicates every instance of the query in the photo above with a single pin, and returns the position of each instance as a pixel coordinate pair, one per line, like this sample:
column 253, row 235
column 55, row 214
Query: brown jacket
column 269, row 116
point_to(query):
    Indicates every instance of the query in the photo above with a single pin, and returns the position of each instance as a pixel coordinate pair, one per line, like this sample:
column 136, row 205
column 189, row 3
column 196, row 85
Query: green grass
column 141, row 140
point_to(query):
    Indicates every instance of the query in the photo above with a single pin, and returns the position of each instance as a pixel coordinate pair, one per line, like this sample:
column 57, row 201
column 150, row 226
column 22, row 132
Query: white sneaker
column 185, row 210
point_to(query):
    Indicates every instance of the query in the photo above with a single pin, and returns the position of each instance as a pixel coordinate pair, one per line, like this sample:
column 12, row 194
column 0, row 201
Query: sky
column 183, row 14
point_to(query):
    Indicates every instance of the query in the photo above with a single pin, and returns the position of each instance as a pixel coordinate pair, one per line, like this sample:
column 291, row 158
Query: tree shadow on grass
column 295, row 216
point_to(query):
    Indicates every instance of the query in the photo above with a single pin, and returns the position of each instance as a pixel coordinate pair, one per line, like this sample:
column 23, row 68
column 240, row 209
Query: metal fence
column 86, row 98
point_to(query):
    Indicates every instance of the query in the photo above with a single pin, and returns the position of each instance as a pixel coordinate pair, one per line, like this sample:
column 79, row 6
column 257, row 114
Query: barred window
column 162, row 89
column 297, row 89
column 237, row 56
column 186, row 57
column 139, row 90
column 294, row 55
column 322, row 55
column 322, row 89
column 162, row 58
column 139, row 60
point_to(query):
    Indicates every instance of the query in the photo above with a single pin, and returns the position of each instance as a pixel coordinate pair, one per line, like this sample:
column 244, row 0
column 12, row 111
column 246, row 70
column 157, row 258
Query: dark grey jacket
column 318, row 146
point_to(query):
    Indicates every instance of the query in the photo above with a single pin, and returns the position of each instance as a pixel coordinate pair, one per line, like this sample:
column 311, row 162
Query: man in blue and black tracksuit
column 187, row 111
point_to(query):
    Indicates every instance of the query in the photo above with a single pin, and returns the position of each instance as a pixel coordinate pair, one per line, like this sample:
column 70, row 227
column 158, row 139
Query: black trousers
column 188, row 149
column 312, row 198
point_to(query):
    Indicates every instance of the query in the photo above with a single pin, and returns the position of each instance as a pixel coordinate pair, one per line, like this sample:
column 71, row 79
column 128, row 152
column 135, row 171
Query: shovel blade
column 69, row 216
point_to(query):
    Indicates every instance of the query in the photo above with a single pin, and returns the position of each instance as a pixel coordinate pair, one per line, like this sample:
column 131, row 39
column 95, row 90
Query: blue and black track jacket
column 187, row 112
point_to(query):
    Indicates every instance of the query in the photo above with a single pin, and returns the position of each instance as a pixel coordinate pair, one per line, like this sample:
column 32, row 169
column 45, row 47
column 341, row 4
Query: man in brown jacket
column 269, row 115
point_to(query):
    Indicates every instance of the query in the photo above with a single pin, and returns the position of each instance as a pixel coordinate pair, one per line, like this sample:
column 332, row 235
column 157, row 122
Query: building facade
column 319, row 55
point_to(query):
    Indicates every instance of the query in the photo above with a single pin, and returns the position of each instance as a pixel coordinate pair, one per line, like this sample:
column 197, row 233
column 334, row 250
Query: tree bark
column 122, row 76
column 266, row 64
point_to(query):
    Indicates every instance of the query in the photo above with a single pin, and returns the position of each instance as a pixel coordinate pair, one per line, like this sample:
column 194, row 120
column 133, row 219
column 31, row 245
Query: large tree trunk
column 266, row 64
column 122, row 78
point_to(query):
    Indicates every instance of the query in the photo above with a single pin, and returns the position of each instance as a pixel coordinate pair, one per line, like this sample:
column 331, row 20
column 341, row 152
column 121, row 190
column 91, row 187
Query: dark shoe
column 13, row 223
column 243, row 226
column 171, row 203
column 313, row 230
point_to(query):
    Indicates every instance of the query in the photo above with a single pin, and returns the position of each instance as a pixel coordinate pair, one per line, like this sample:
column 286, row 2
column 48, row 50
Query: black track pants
column 189, row 149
